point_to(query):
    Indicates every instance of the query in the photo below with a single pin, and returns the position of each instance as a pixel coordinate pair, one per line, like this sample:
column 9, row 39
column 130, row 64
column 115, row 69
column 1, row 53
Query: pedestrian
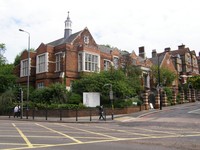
column 16, row 111
column 101, row 112
column 19, row 110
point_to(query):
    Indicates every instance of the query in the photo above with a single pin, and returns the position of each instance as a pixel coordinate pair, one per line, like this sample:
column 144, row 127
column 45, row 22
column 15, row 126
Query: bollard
column 90, row 115
column 60, row 114
column 76, row 114
column 46, row 114
column 26, row 113
column 33, row 113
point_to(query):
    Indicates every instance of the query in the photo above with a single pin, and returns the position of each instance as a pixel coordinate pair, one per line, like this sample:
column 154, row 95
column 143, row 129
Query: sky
column 125, row 24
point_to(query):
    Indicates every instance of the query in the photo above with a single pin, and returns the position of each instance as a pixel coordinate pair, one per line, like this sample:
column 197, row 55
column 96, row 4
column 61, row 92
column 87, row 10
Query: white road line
column 197, row 111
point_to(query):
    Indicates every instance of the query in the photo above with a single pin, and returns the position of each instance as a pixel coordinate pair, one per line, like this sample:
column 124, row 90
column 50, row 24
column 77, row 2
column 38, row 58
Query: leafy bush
column 55, row 93
column 73, row 98
column 128, row 102
column 58, row 106
column 169, row 94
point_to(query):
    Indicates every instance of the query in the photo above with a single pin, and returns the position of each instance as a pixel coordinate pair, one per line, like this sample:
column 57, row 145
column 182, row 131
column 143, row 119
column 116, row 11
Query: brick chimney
column 154, row 53
column 167, row 49
column 141, row 52
column 181, row 46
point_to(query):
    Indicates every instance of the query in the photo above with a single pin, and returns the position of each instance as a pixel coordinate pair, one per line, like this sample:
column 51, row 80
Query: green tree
column 195, row 81
column 166, row 76
column 7, row 78
column 2, row 50
column 55, row 93
column 95, row 82
column 17, row 58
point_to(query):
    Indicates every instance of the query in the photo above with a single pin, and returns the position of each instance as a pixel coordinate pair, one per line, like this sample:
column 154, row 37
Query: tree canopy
column 122, row 85
column 166, row 76
column 2, row 50
column 7, row 78
column 195, row 81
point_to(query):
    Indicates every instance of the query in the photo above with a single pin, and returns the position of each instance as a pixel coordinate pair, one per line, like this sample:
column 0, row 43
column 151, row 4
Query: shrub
column 169, row 94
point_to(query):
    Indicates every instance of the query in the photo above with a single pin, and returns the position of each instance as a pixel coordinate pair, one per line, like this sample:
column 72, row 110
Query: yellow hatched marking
column 96, row 133
column 156, row 131
column 65, row 135
column 23, row 136
column 124, row 131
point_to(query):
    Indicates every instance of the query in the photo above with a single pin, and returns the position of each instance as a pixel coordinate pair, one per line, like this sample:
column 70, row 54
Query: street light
column 111, row 98
column 28, row 71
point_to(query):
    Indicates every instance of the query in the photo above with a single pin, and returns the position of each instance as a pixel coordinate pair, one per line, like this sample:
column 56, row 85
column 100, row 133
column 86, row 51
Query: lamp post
column 111, row 99
column 28, row 71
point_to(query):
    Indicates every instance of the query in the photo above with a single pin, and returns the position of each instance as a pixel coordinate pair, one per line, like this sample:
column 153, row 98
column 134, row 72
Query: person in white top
column 16, row 111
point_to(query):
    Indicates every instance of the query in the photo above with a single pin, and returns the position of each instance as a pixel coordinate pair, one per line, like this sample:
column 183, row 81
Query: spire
column 68, row 24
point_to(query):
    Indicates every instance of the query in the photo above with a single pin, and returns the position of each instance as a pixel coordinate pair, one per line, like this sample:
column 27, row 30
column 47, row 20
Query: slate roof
column 179, row 51
column 105, row 49
column 154, row 60
column 65, row 40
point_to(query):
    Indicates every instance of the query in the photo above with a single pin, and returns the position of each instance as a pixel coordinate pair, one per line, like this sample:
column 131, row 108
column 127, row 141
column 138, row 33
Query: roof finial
column 68, row 15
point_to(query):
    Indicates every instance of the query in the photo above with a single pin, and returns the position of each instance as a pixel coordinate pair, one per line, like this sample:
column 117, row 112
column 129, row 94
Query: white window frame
column 80, row 62
column 58, row 61
column 40, row 63
column 107, row 64
column 40, row 85
column 24, row 67
column 89, row 62
column 116, row 64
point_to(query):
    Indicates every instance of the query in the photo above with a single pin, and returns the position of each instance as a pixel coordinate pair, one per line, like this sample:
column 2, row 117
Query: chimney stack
column 181, row 46
column 167, row 49
column 141, row 52
column 154, row 53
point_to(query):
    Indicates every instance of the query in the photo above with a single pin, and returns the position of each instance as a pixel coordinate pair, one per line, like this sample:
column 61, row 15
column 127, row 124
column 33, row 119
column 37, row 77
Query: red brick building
column 163, row 60
column 63, row 60
column 185, row 62
column 198, row 59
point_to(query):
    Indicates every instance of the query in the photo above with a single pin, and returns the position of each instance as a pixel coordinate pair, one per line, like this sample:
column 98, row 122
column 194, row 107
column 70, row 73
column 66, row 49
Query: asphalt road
column 170, row 129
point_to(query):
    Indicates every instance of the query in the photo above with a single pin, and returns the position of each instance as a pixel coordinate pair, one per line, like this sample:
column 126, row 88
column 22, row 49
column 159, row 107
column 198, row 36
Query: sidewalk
column 87, row 119
column 95, row 119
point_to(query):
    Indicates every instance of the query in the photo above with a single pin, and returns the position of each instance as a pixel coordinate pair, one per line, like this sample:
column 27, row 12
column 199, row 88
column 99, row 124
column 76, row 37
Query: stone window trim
column 88, row 62
column 24, row 67
column 58, row 58
column 42, row 63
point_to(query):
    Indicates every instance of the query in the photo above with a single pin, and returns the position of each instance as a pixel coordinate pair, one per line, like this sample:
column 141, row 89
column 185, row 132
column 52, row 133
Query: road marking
column 96, row 133
column 65, row 135
column 23, row 136
column 155, row 131
column 115, row 140
column 124, row 131
column 197, row 111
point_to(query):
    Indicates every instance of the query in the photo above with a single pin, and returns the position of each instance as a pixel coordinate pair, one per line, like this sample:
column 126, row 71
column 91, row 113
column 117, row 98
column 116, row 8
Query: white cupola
column 68, row 25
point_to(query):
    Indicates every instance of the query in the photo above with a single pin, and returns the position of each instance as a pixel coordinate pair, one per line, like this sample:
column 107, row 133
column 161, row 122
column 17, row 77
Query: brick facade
column 68, row 50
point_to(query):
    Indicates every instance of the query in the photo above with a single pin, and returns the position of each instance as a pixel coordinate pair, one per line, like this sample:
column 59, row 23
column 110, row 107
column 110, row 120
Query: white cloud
column 125, row 24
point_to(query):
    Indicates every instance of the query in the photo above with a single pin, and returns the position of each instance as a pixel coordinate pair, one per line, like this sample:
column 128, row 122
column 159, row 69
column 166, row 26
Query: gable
column 168, row 63
column 85, row 38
